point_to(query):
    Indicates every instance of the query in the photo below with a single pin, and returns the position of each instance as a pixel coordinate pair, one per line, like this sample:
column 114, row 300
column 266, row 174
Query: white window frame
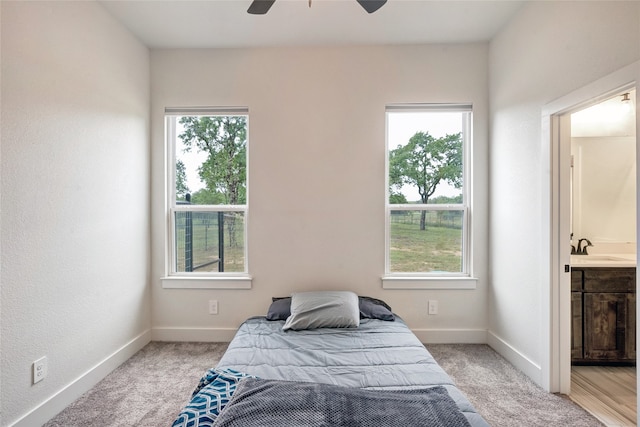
column 199, row 280
column 433, row 280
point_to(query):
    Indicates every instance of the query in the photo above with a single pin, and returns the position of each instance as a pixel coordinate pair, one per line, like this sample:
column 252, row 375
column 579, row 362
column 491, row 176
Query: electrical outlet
column 433, row 306
column 39, row 369
column 213, row 306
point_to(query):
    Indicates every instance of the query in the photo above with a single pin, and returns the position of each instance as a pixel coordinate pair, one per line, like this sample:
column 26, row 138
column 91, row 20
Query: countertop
column 604, row 260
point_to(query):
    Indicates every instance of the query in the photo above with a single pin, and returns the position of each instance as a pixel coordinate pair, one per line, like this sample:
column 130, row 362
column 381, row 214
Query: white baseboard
column 427, row 336
column 193, row 334
column 517, row 359
column 451, row 336
column 67, row 395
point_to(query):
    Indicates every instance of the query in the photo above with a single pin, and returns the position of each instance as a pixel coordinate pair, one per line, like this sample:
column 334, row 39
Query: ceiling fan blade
column 372, row 5
column 260, row 7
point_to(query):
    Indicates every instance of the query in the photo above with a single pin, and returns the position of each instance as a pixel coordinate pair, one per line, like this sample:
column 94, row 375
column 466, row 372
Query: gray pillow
column 371, row 308
column 325, row 309
column 279, row 309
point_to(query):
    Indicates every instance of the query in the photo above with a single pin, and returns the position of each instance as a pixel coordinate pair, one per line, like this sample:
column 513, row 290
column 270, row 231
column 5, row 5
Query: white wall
column 548, row 50
column 317, row 174
column 75, row 201
column 604, row 190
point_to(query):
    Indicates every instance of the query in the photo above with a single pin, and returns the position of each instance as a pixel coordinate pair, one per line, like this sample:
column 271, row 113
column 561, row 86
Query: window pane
column 426, row 241
column 209, row 242
column 426, row 156
column 211, row 159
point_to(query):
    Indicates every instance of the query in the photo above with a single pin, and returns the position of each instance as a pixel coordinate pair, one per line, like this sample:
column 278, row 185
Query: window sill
column 422, row 282
column 228, row 282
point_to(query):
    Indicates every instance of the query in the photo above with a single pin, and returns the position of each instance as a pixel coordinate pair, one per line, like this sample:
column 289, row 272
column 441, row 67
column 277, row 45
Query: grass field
column 438, row 248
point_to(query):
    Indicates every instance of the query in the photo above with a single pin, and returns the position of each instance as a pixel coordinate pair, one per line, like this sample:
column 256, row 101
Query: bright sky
column 192, row 161
column 401, row 127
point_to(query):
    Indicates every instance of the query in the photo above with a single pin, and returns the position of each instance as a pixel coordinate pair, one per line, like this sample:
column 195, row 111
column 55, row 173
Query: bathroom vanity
column 603, row 305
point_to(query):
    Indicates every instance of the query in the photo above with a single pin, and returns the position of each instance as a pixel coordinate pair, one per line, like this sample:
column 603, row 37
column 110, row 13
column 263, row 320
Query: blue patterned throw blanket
column 209, row 398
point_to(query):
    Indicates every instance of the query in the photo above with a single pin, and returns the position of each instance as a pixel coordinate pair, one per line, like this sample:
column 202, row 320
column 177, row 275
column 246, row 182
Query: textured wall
column 317, row 170
column 75, row 194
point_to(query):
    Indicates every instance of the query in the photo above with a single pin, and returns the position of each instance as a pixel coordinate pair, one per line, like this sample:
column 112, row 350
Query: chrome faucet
column 580, row 250
column 573, row 248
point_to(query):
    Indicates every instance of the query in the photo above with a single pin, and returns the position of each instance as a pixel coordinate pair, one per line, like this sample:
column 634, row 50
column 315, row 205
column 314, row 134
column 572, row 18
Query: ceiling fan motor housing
column 261, row 7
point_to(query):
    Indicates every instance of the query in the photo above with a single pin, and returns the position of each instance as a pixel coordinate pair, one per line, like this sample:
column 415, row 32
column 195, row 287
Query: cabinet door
column 576, row 325
column 630, row 340
column 606, row 318
column 576, row 279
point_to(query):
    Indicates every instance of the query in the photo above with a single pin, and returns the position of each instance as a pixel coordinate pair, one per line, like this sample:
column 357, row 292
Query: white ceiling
column 226, row 23
column 611, row 117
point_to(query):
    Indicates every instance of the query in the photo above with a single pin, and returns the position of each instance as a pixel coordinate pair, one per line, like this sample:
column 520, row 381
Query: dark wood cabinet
column 609, row 329
column 576, row 325
column 603, row 304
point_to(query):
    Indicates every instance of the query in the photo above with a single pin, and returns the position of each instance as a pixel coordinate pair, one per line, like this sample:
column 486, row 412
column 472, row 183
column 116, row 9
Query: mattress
column 378, row 355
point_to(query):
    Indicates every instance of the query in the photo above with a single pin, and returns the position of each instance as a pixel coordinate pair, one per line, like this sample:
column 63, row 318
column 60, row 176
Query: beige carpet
column 151, row 388
column 504, row 395
column 147, row 390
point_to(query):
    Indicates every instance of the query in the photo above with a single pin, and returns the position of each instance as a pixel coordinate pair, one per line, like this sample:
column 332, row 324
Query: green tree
column 446, row 200
column 425, row 162
column 224, row 139
column 181, row 180
column 396, row 198
column 206, row 197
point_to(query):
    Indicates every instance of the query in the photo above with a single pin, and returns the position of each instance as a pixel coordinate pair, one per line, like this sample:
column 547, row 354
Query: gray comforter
column 265, row 403
column 377, row 355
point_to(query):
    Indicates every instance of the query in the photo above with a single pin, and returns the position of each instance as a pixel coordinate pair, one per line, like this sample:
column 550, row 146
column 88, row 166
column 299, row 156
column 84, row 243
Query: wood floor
column 607, row 392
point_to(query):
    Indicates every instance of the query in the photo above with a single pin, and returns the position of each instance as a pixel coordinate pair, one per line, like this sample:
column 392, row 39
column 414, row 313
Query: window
column 207, row 192
column 427, row 225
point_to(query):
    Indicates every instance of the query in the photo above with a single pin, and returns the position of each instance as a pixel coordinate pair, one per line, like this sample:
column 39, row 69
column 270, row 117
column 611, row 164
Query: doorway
column 602, row 193
column 557, row 136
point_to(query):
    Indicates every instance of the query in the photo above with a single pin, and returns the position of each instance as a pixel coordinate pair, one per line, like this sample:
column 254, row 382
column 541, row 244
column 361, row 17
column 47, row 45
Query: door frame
column 556, row 299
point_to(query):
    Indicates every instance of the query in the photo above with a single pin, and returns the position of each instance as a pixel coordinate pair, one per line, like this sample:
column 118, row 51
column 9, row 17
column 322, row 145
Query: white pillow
column 326, row 309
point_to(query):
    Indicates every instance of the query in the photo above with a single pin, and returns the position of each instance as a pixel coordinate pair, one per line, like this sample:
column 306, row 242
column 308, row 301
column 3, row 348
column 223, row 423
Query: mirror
column 603, row 151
